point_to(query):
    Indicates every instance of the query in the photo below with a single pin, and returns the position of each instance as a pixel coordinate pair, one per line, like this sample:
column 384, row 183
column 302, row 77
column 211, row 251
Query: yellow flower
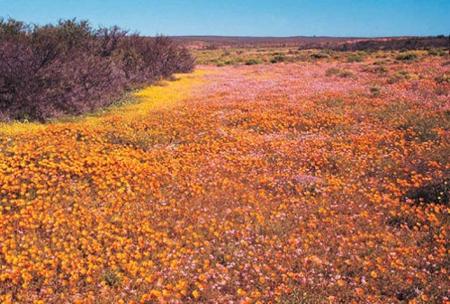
column 241, row 292
column 196, row 294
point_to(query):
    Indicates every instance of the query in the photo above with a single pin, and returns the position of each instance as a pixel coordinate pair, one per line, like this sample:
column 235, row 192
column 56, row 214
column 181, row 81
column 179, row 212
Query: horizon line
column 307, row 36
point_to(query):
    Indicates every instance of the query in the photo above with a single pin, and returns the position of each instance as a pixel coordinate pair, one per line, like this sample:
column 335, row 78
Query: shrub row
column 71, row 68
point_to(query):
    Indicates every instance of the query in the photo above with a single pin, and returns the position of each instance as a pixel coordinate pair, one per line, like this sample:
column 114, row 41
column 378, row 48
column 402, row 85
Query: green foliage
column 299, row 297
column 345, row 74
column 338, row 72
column 354, row 58
column 278, row 58
column 408, row 56
column 437, row 52
column 111, row 278
column 319, row 55
column 398, row 76
column 252, row 62
column 423, row 128
column 332, row 71
column 380, row 69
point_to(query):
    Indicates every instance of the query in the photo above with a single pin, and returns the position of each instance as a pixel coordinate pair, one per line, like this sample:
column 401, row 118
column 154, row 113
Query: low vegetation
column 379, row 60
column 409, row 56
column 437, row 44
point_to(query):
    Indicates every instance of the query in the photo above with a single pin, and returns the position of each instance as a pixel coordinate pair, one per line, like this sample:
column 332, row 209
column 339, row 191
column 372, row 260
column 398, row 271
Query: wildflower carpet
column 252, row 184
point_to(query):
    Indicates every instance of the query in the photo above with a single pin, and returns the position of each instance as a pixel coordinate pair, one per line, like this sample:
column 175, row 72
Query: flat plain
column 266, row 176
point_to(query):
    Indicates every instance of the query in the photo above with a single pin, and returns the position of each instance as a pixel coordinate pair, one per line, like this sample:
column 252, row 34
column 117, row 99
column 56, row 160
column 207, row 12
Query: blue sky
column 246, row 17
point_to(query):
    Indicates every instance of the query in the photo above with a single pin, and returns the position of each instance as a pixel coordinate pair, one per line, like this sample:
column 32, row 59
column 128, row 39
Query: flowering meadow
column 320, row 181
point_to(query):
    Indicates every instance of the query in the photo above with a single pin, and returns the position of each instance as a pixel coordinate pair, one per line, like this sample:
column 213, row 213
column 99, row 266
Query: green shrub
column 319, row 55
column 252, row 62
column 437, row 52
column 397, row 221
column 354, row 58
column 278, row 58
column 406, row 56
column 345, row 74
column 110, row 278
column 400, row 75
column 380, row 62
column 332, row 72
column 433, row 52
column 375, row 91
column 423, row 126
column 380, row 69
column 332, row 103
column 298, row 296
column 338, row 72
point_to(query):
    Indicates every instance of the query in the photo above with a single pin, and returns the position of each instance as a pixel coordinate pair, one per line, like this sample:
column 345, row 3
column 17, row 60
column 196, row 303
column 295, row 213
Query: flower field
column 319, row 181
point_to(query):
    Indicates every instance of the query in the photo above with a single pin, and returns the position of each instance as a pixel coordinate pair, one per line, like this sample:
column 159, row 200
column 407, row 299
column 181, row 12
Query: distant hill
column 236, row 41
column 306, row 42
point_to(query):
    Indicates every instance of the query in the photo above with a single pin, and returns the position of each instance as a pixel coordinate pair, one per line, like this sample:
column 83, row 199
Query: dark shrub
column 252, row 62
column 71, row 68
column 407, row 43
column 319, row 55
column 397, row 221
column 422, row 127
column 442, row 79
column 338, row 72
column 278, row 58
column 398, row 76
column 375, row 91
column 406, row 56
column 380, row 70
column 110, row 278
column 355, row 58
column 345, row 74
column 437, row 192
column 332, row 71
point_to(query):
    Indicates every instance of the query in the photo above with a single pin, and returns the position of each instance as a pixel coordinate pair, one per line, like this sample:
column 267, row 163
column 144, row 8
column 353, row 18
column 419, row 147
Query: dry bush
column 71, row 68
